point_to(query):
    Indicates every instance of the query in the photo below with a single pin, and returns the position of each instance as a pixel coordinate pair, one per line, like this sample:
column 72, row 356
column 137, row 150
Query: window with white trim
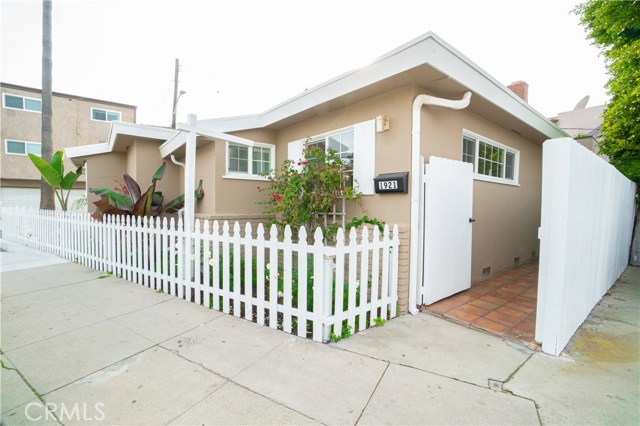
column 492, row 161
column 342, row 144
column 246, row 162
column 21, row 102
column 356, row 146
column 98, row 114
column 13, row 147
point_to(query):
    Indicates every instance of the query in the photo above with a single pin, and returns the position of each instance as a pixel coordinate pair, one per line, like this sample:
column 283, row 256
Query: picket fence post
column 327, row 284
column 318, row 285
column 248, row 272
column 339, row 299
column 302, row 282
column 260, row 274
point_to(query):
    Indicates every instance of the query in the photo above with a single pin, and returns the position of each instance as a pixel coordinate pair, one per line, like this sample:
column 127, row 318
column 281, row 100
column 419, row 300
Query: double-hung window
column 492, row 161
column 21, row 102
column 341, row 143
column 13, row 147
column 249, row 162
column 98, row 114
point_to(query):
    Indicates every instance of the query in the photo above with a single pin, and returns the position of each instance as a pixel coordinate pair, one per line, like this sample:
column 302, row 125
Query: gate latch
column 471, row 220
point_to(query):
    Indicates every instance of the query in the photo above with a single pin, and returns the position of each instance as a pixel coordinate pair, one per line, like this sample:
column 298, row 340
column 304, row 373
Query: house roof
column 171, row 141
column 427, row 61
column 66, row 95
column 121, row 136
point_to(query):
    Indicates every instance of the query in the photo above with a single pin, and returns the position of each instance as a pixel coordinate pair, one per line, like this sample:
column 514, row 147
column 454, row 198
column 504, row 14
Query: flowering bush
column 304, row 195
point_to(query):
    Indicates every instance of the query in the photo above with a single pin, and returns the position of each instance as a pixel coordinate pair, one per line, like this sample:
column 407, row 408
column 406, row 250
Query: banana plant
column 53, row 173
column 132, row 202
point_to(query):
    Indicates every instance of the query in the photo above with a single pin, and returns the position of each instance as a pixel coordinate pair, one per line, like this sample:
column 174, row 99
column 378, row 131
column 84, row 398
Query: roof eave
column 428, row 49
column 78, row 153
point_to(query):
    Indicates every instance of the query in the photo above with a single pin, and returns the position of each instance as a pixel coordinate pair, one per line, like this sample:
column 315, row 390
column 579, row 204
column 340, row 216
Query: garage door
column 30, row 197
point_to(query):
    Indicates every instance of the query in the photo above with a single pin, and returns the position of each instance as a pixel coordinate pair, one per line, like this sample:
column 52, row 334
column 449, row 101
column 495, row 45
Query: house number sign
column 391, row 182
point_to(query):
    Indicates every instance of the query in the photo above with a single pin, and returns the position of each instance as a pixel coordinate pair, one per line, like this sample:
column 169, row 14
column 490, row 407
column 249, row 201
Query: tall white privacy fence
column 586, row 226
column 311, row 290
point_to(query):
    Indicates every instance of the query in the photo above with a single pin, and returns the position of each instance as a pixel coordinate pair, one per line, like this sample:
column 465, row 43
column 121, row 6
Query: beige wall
column 102, row 171
column 393, row 147
column 206, row 170
column 71, row 124
column 507, row 217
column 238, row 196
column 141, row 160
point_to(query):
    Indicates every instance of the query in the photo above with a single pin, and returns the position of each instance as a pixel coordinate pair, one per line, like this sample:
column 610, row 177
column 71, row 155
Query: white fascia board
column 77, row 153
column 203, row 131
column 428, row 49
column 170, row 146
column 141, row 130
column 129, row 129
column 180, row 138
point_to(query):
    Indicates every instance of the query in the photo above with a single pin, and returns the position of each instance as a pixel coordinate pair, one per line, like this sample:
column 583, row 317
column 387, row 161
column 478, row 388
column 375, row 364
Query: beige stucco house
column 378, row 120
column 77, row 121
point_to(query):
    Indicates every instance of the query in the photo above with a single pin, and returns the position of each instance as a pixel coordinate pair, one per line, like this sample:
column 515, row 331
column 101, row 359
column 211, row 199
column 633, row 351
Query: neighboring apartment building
column 76, row 121
column 583, row 124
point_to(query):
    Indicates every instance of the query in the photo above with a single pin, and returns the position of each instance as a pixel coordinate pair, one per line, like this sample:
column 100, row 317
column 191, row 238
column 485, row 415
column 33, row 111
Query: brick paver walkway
column 504, row 304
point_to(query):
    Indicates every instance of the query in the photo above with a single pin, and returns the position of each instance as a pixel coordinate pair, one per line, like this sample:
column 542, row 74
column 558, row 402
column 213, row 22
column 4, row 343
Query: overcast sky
column 242, row 57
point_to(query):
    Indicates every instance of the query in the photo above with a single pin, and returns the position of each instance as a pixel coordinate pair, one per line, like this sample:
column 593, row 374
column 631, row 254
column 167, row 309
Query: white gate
column 446, row 216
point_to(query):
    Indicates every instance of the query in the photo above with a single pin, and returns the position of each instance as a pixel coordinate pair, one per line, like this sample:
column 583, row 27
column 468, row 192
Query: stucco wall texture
column 72, row 125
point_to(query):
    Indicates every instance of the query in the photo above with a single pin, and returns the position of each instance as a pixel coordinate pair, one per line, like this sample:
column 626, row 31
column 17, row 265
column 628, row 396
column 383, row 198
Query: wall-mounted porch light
column 382, row 123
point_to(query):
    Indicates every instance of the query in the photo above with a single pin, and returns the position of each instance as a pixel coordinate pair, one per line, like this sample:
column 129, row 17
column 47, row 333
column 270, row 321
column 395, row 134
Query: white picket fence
column 319, row 289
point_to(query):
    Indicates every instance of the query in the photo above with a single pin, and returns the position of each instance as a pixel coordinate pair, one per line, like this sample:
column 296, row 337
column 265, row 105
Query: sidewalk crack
column 372, row 393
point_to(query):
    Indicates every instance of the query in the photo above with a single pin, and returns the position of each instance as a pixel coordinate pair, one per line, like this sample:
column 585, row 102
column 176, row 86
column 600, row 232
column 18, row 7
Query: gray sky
column 242, row 57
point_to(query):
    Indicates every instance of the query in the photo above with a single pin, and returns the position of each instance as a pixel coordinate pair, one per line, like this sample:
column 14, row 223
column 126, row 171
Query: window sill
column 245, row 177
column 494, row 180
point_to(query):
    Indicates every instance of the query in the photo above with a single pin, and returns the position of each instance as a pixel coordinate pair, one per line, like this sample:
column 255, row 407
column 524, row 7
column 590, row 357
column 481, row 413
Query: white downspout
column 416, row 169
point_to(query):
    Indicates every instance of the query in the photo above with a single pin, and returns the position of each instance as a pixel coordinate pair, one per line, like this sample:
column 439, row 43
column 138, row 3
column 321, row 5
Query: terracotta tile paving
column 504, row 304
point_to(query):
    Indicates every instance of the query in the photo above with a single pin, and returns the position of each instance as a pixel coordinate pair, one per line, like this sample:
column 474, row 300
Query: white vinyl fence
column 311, row 290
column 585, row 236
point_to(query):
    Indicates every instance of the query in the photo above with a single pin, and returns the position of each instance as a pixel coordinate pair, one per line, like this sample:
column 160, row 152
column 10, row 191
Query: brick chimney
column 520, row 88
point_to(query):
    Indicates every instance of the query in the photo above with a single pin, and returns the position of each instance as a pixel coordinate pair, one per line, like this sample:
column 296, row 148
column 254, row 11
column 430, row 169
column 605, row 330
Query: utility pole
column 175, row 95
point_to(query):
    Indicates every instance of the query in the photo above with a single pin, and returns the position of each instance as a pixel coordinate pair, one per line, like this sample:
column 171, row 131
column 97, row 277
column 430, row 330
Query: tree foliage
column 614, row 26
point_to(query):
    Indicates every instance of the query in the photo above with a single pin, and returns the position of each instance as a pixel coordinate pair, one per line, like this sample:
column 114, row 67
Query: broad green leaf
column 159, row 173
column 69, row 180
column 57, row 163
column 174, row 205
column 49, row 174
column 121, row 201
column 177, row 203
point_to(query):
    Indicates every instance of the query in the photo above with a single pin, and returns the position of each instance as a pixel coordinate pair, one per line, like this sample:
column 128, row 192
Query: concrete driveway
column 79, row 347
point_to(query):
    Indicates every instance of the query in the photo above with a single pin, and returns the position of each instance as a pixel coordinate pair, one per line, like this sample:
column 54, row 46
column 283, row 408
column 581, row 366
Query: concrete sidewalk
column 99, row 350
